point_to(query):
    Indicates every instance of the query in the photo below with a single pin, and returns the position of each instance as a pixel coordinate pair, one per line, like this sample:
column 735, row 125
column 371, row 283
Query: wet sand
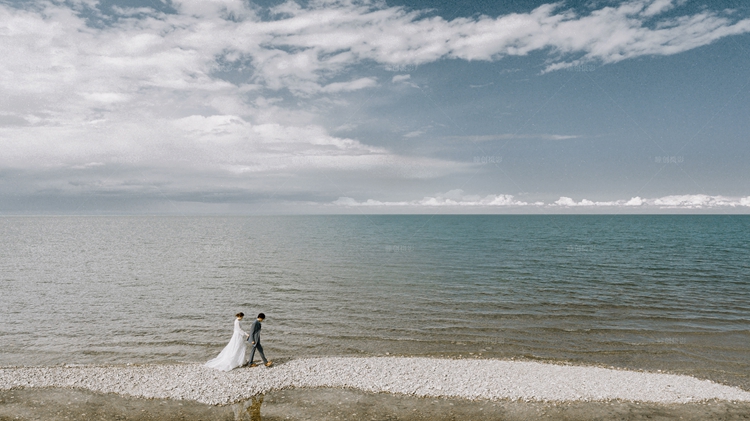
column 340, row 404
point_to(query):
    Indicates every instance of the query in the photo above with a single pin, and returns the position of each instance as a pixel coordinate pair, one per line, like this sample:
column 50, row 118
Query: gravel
column 423, row 377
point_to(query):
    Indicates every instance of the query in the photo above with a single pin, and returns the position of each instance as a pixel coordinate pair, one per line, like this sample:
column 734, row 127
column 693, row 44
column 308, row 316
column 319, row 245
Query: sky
column 406, row 106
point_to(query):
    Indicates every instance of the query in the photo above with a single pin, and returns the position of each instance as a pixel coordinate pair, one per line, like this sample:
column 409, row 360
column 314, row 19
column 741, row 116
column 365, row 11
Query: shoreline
column 469, row 379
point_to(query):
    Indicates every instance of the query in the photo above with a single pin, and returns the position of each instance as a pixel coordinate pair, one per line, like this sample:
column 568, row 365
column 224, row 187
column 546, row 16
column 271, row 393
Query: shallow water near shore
column 667, row 293
column 340, row 404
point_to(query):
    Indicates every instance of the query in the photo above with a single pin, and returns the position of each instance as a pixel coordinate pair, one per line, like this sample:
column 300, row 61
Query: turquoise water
column 651, row 292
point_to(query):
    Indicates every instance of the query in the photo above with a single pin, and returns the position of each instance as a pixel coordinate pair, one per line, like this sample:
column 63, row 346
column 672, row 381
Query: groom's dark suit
column 255, row 338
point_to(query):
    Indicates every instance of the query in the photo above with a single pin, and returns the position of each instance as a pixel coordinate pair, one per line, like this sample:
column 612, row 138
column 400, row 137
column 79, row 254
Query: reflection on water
column 248, row 410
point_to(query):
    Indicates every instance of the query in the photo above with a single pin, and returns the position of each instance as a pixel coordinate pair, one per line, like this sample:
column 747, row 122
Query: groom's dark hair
column 261, row 316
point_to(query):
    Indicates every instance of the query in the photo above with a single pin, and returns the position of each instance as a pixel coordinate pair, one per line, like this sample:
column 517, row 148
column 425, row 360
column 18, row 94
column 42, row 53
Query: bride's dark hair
column 240, row 314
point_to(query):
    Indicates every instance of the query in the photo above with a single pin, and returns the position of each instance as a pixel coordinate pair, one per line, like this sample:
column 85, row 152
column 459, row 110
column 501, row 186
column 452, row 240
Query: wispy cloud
column 400, row 78
column 49, row 50
column 415, row 133
column 512, row 136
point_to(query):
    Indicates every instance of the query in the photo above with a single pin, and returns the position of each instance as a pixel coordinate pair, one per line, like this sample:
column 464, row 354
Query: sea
column 644, row 292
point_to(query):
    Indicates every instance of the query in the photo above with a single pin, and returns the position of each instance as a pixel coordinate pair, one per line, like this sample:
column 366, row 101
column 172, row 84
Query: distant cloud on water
column 456, row 198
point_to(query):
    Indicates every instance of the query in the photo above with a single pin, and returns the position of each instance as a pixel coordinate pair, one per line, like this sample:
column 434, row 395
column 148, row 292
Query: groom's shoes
column 270, row 363
column 253, row 365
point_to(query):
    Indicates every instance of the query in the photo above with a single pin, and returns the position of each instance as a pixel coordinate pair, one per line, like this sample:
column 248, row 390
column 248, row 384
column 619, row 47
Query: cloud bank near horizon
column 457, row 199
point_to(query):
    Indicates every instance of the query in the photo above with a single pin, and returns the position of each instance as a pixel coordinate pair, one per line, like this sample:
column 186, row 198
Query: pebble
column 415, row 376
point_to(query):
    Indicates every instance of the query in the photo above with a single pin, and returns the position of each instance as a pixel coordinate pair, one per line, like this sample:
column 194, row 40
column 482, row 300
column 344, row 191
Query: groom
column 254, row 340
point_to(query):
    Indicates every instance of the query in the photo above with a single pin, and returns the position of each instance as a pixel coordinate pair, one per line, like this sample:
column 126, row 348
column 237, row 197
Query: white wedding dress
column 233, row 355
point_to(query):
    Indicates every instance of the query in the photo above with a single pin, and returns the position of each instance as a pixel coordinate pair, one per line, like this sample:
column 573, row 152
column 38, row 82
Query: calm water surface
column 651, row 292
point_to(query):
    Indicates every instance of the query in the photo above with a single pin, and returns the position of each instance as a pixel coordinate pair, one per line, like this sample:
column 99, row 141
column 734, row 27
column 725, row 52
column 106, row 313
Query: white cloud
column 453, row 198
column 635, row 201
column 394, row 36
column 568, row 202
column 148, row 90
column 699, row 201
column 54, row 54
column 354, row 85
column 658, row 6
column 457, row 198
column 690, row 201
column 400, row 78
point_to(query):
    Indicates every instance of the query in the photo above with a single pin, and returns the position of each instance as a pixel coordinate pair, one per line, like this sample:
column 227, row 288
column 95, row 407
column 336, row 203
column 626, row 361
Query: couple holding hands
column 233, row 355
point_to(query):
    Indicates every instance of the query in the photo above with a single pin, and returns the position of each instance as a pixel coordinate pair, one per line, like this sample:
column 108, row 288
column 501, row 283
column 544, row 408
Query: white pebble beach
column 421, row 377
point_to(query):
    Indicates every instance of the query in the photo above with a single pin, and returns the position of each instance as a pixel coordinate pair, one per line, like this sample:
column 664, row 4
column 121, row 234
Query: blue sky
column 228, row 106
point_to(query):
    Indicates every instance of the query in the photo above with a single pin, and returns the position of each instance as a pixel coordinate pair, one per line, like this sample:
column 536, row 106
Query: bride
column 233, row 355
